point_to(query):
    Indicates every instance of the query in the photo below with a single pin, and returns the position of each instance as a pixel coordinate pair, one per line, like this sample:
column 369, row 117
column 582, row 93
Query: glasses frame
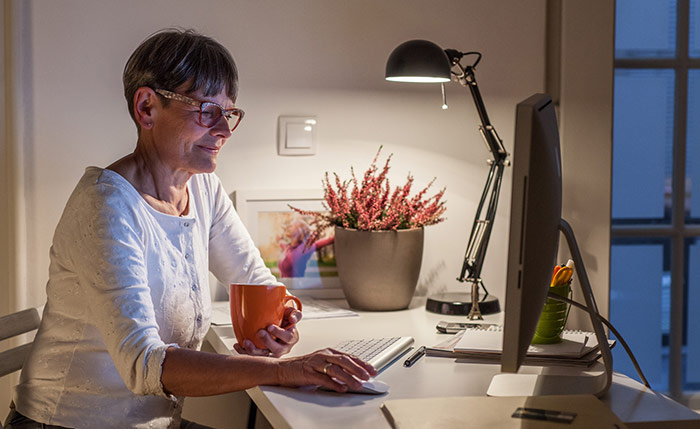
column 226, row 113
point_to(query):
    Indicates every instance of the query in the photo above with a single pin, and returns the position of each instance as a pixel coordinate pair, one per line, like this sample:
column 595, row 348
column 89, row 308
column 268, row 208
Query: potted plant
column 378, row 235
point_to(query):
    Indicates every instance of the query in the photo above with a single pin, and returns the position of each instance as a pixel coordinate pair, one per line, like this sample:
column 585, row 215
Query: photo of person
column 283, row 243
column 296, row 249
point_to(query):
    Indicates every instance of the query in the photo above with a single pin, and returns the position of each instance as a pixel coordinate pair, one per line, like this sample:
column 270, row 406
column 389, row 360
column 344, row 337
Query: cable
column 611, row 327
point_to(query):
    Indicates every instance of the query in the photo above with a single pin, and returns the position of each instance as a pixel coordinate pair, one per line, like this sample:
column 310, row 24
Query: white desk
column 429, row 377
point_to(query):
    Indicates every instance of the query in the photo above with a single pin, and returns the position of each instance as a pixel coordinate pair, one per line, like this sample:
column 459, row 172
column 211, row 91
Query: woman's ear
column 145, row 107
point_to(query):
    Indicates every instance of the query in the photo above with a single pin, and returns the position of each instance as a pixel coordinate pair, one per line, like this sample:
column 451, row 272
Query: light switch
column 296, row 135
column 299, row 136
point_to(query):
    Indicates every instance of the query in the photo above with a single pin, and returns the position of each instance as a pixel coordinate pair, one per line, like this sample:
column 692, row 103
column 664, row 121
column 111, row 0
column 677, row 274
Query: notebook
column 485, row 345
column 574, row 344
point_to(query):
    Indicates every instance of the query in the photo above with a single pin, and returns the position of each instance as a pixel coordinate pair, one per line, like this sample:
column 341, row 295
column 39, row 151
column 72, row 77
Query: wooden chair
column 10, row 326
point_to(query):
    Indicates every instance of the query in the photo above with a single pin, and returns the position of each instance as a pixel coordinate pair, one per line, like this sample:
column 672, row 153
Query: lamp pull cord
column 444, row 96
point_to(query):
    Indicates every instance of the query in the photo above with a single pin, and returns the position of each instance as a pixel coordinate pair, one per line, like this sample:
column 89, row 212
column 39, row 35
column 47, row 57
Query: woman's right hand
column 323, row 368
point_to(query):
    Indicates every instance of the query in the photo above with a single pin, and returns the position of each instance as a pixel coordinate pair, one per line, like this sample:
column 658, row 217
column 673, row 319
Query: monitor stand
column 550, row 384
column 547, row 384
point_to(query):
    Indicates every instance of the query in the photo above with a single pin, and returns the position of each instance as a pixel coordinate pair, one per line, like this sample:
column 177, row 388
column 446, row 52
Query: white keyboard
column 377, row 351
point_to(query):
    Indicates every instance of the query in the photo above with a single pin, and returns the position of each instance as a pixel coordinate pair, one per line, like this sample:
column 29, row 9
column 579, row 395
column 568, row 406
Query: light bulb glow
column 417, row 79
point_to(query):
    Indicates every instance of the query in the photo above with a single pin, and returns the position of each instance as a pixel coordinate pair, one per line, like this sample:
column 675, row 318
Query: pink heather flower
column 371, row 204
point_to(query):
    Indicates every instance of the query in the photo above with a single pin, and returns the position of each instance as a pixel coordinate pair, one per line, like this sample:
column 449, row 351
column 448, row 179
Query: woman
column 128, row 298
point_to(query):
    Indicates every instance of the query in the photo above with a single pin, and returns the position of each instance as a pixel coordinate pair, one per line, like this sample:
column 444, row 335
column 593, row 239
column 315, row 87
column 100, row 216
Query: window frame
column 678, row 231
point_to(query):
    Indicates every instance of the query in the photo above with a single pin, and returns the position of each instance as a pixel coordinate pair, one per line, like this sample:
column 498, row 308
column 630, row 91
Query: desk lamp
column 425, row 62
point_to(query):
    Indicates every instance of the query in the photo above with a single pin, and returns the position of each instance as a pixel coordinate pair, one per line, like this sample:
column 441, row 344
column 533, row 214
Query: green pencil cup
column 553, row 317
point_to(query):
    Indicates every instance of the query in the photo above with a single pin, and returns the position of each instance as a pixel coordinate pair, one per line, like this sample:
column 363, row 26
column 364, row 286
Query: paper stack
column 578, row 348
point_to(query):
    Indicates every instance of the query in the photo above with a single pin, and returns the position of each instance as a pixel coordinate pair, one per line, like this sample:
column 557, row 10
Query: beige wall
column 586, row 137
column 12, row 232
column 301, row 57
column 5, row 220
column 5, row 179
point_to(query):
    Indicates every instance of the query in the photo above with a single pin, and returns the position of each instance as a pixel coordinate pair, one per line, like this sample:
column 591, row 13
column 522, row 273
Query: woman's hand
column 328, row 368
column 278, row 340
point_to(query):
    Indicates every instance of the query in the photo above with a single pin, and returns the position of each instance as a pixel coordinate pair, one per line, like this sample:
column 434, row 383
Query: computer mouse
column 369, row 387
column 372, row 387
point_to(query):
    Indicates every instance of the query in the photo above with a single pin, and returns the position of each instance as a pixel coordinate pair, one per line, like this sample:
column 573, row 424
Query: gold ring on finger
column 325, row 368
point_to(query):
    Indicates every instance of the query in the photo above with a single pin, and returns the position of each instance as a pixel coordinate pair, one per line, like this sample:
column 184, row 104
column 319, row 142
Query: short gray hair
column 172, row 57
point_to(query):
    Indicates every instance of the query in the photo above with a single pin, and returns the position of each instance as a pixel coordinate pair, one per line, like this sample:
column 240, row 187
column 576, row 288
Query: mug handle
column 297, row 302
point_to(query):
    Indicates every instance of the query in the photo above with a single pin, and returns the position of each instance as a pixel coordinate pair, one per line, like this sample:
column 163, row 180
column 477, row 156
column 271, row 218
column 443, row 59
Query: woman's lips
column 213, row 150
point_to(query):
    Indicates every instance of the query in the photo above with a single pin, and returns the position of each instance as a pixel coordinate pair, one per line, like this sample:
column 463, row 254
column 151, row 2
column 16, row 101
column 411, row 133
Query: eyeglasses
column 209, row 113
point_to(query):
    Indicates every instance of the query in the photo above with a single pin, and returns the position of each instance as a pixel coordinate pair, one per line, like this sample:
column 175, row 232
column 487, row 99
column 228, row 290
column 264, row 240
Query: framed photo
column 281, row 235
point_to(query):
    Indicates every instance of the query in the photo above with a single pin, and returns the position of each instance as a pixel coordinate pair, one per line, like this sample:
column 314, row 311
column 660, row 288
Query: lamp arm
column 493, row 141
column 467, row 78
column 483, row 225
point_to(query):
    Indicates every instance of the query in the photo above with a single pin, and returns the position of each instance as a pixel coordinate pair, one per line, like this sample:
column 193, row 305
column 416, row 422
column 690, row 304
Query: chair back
column 10, row 326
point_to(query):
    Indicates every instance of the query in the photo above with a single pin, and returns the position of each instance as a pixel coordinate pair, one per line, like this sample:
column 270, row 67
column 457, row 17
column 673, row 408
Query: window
column 655, row 248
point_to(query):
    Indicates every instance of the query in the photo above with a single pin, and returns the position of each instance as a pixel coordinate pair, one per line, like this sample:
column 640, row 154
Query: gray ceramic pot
column 378, row 270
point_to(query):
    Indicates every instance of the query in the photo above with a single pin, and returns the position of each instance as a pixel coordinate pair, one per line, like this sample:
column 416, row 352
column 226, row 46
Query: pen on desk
column 415, row 356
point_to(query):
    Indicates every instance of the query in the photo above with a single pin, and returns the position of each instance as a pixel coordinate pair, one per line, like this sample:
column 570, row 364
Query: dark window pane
column 692, row 147
column 642, row 153
column 639, row 307
column 692, row 350
column 695, row 28
column 645, row 28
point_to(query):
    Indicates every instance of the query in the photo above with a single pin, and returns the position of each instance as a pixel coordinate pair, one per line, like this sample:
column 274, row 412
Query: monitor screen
column 534, row 222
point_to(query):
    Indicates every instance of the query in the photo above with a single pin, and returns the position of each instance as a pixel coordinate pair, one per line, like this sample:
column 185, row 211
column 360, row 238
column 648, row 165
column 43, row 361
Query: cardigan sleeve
column 233, row 256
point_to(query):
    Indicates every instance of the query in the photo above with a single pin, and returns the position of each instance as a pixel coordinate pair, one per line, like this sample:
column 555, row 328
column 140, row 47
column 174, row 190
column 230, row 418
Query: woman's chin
column 202, row 167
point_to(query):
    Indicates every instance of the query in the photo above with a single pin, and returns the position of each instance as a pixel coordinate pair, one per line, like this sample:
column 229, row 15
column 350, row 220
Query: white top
column 125, row 283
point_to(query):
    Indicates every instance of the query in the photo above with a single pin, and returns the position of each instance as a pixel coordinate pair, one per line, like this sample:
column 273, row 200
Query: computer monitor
column 535, row 224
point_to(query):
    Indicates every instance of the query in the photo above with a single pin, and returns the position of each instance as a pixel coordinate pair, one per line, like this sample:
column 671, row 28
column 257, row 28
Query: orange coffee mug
column 255, row 307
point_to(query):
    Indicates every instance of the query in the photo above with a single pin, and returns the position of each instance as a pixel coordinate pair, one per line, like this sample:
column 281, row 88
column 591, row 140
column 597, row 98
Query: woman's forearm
column 193, row 373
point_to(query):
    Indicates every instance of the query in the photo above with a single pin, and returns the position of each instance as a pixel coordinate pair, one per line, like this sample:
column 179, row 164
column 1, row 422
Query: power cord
column 612, row 329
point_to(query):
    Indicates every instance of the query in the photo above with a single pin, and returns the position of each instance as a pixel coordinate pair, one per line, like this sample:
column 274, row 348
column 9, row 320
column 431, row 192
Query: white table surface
column 429, row 377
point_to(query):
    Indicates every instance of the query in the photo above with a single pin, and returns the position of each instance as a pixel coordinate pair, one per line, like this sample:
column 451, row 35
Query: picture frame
column 278, row 232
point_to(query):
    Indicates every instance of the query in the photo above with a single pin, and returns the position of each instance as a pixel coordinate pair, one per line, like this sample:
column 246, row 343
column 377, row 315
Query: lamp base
column 459, row 303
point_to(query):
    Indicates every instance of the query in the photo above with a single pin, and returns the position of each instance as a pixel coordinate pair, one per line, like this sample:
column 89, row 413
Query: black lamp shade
column 418, row 61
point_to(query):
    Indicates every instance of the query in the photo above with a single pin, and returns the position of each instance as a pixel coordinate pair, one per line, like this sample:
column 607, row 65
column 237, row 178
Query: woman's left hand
column 279, row 340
